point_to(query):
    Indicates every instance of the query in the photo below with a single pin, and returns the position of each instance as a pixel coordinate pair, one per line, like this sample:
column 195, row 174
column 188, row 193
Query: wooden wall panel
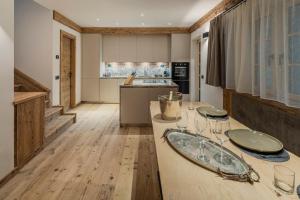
column 29, row 131
column 267, row 116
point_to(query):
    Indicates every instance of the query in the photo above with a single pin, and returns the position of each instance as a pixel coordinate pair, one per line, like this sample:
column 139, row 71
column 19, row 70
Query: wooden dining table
column 183, row 180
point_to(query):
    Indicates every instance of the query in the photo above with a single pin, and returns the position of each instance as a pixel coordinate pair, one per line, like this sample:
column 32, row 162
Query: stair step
column 52, row 113
column 57, row 126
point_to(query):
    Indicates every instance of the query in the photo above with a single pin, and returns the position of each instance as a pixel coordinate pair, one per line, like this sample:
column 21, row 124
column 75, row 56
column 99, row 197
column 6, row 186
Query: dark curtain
column 216, row 71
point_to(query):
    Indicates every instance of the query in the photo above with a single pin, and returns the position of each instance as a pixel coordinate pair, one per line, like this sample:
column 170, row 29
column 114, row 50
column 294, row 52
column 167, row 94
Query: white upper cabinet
column 144, row 48
column 136, row 48
column 161, row 48
column 127, row 48
column 181, row 47
column 111, row 48
column 90, row 55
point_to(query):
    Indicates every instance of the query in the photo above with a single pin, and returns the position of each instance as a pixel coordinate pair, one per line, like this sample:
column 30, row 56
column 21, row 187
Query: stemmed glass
column 182, row 119
column 222, row 125
column 200, row 124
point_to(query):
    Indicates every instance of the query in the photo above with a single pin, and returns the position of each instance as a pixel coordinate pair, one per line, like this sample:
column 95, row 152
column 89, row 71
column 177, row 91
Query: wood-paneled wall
column 267, row 116
column 29, row 126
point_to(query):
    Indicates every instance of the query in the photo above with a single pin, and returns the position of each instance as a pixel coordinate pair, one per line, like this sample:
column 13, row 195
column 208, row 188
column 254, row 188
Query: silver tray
column 211, row 156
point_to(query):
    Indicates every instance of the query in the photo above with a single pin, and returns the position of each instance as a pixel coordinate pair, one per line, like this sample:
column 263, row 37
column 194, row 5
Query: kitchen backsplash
column 141, row 69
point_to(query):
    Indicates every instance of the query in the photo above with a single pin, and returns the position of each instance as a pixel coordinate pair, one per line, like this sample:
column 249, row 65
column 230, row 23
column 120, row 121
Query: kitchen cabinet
column 111, row 48
column 144, row 48
column 90, row 91
column 110, row 89
column 180, row 47
column 136, row 48
column 161, row 48
column 127, row 48
column 91, row 55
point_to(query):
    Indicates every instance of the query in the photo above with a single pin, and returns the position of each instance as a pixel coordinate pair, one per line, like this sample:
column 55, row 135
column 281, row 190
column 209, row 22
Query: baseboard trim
column 8, row 177
column 135, row 125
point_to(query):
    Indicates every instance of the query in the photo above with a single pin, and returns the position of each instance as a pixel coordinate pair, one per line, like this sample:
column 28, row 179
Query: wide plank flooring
column 93, row 159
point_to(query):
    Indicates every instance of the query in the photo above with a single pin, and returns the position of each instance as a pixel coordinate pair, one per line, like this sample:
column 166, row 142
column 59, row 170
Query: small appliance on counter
column 181, row 76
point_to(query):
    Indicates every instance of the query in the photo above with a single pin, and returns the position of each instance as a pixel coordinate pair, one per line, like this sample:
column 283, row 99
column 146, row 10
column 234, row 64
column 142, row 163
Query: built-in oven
column 181, row 76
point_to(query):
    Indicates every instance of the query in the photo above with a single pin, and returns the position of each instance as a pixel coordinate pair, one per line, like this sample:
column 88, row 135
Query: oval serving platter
column 255, row 141
column 213, row 157
column 208, row 111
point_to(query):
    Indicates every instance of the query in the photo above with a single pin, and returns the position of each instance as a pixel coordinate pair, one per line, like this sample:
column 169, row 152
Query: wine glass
column 200, row 124
column 182, row 119
column 222, row 125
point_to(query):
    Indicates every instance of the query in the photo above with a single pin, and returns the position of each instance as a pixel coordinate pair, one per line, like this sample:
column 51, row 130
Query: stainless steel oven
column 181, row 76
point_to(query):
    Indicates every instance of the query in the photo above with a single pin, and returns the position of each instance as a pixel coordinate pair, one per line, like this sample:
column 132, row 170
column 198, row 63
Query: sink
column 155, row 81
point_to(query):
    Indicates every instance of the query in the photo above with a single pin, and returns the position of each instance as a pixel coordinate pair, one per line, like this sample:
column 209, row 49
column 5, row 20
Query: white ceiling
column 132, row 13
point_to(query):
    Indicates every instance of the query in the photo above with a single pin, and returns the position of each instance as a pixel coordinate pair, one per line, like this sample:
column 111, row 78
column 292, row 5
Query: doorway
column 67, row 70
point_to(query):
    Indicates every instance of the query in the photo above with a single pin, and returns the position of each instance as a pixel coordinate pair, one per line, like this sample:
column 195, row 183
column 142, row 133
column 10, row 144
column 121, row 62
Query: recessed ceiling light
column 142, row 14
column 98, row 19
column 143, row 24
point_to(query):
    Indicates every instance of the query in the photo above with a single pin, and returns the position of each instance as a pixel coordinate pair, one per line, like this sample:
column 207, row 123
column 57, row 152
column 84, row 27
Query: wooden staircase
column 56, row 120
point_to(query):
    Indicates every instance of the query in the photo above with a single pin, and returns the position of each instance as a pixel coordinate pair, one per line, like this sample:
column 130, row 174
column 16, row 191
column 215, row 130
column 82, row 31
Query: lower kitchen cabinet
column 110, row 90
column 29, row 126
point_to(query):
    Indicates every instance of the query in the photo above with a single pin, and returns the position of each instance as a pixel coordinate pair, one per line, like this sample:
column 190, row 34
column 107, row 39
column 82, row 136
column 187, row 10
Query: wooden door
column 67, row 71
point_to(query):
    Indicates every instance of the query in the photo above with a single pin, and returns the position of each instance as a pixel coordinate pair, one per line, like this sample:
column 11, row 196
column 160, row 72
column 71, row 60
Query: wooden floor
column 93, row 159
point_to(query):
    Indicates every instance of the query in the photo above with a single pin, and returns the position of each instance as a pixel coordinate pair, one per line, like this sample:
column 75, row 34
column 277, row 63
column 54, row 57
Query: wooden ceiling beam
column 208, row 16
column 135, row 30
column 66, row 21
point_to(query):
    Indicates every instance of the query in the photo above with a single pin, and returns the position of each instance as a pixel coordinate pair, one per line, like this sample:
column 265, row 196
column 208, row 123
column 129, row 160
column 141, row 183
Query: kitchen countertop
column 147, row 83
column 123, row 77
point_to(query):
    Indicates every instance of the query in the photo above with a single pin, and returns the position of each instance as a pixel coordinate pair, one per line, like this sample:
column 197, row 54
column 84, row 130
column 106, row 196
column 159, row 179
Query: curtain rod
column 233, row 7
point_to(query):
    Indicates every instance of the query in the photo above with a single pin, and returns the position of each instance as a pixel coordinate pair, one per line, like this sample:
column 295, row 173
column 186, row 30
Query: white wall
column 209, row 94
column 33, row 41
column 6, row 87
column 57, row 27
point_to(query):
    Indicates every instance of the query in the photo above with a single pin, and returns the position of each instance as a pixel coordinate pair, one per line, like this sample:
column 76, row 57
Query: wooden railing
column 25, row 83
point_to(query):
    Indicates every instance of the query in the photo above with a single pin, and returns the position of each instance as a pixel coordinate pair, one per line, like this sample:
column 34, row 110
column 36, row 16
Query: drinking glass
column 191, row 106
column 200, row 123
column 284, row 179
column 221, row 126
column 182, row 119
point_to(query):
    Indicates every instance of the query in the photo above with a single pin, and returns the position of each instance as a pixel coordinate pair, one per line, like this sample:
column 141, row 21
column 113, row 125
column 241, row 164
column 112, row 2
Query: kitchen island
column 182, row 179
column 135, row 100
